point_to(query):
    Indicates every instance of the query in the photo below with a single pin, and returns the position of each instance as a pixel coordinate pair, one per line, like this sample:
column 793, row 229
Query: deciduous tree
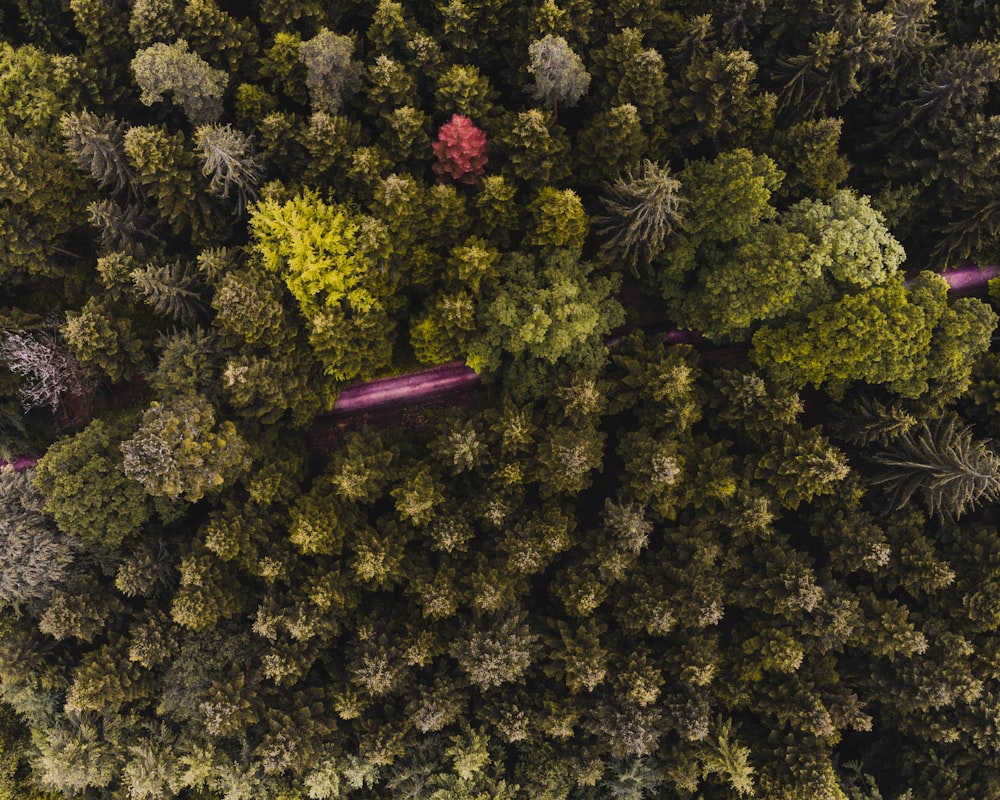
column 194, row 85
column 559, row 73
column 178, row 450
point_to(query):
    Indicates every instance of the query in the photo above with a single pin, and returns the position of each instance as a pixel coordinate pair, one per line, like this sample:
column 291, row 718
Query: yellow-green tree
column 326, row 258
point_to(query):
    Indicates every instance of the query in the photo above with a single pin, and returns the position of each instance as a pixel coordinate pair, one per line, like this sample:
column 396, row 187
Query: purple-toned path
column 972, row 278
column 414, row 386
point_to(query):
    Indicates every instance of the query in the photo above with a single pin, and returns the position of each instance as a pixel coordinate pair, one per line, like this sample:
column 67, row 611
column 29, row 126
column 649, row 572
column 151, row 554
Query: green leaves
column 883, row 335
column 546, row 307
column 69, row 476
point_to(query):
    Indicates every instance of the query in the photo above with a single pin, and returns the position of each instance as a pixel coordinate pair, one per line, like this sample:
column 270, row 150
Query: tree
column 558, row 220
column 463, row 90
column 442, row 332
column 642, row 210
column 496, row 654
column 544, row 307
column 389, row 85
column 717, row 100
column 249, row 308
column 849, row 241
column 882, row 335
column 767, row 276
column 217, row 36
column 97, row 144
column 802, row 466
column 171, row 289
column 808, row 154
column 153, row 20
column 461, row 150
column 169, row 174
column 497, row 211
column 178, row 451
column 628, row 72
column 50, row 374
column 942, row 461
column 611, row 144
column 407, row 132
column 536, row 148
column 194, row 85
column 560, row 76
column 38, row 88
column 34, row 556
column 101, row 336
column 41, row 202
column 73, row 756
column 343, row 295
column 69, row 475
column 814, row 252
column 230, row 162
column 331, row 75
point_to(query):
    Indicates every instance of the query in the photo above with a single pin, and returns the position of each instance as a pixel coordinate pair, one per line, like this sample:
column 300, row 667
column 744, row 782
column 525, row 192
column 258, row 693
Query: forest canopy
column 714, row 510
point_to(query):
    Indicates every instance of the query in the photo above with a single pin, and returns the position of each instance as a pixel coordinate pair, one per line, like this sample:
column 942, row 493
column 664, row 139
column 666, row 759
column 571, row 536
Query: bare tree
column 50, row 373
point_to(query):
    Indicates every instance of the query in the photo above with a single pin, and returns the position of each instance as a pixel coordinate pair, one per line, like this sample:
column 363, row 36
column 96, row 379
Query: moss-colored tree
column 68, row 474
column 178, row 451
column 914, row 323
column 544, row 308
column 331, row 74
column 194, row 85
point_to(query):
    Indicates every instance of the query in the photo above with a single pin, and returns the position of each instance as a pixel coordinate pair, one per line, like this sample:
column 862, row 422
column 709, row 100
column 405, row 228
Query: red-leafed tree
column 461, row 150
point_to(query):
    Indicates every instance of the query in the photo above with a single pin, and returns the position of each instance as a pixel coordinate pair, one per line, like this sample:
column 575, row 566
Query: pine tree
column 536, row 147
column 332, row 76
column 642, row 210
column 952, row 471
column 97, row 144
column 171, row 290
column 230, row 163
column 497, row 654
column 463, row 90
column 611, row 144
column 169, row 174
column 558, row 219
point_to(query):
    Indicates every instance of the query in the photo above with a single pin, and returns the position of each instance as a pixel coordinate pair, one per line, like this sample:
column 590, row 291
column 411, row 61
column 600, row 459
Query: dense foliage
column 766, row 566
